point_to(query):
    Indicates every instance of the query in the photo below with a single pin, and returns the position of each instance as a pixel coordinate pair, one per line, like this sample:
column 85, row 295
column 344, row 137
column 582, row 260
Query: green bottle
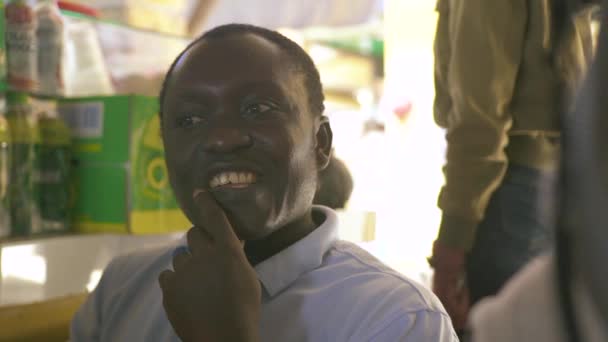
column 5, row 143
column 54, row 170
column 23, row 188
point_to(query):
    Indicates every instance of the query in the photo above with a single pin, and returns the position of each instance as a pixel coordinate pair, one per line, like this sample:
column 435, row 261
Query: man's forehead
column 233, row 50
column 234, row 61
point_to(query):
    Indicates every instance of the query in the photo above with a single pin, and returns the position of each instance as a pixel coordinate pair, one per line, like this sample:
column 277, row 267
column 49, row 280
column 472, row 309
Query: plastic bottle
column 5, row 145
column 23, row 188
column 54, row 170
column 49, row 34
column 3, row 46
column 86, row 70
column 21, row 45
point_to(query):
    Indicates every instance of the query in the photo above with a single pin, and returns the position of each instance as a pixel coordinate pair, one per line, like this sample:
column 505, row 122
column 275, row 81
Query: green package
column 119, row 181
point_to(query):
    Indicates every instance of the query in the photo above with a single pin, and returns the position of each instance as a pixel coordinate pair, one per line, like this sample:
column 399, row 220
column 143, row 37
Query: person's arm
column 486, row 42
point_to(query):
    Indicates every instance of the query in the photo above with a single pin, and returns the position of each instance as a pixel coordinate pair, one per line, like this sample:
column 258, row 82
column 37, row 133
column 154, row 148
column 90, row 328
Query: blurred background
column 82, row 177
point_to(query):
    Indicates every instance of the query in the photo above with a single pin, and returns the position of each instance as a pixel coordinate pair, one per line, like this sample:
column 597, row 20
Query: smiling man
column 245, row 139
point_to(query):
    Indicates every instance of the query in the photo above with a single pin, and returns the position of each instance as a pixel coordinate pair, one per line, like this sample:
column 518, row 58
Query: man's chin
column 248, row 230
column 248, row 223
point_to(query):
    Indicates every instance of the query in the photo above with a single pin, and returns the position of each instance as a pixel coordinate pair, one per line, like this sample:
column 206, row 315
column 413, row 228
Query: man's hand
column 449, row 283
column 213, row 294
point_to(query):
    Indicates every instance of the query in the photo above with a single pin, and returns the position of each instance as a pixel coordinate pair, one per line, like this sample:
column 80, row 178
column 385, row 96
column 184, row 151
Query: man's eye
column 188, row 121
column 256, row 109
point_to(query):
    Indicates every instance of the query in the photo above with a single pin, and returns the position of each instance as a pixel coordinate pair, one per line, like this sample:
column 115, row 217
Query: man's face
column 236, row 123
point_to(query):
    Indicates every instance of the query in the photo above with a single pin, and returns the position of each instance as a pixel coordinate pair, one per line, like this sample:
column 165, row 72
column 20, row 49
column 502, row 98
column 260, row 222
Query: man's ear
column 324, row 138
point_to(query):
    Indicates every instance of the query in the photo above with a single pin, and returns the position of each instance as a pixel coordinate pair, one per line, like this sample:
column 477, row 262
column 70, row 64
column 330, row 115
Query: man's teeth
column 241, row 178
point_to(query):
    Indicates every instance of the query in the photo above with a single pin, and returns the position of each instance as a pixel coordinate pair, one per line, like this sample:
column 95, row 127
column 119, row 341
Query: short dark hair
column 301, row 60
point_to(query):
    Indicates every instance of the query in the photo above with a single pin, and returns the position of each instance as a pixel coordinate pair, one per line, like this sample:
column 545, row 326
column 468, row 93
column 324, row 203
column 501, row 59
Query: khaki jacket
column 498, row 90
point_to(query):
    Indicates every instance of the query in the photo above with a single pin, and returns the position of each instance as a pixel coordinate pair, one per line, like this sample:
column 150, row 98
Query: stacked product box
column 120, row 181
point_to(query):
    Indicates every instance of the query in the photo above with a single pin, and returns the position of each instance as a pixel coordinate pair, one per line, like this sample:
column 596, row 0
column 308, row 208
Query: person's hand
column 449, row 283
column 213, row 294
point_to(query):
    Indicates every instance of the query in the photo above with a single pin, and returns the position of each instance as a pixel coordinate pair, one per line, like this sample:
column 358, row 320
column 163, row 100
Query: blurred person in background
column 335, row 185
column 503, row 71
column 561, row 296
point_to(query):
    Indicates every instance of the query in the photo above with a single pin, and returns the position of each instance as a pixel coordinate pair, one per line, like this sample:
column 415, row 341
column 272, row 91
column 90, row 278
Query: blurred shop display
column 357, row 71
column 5, row 158
column 275, row 14
column 89, row 164
column 97, row 63
column 120, row 180
column 24, row 190
column 350, row 62
column 166, row 16
column 137, row 62
column 49, row 38
column 74, row 154
column 191, row 17
column 34, row 45
column 86, row 72
column 21, row 44
column 80, row 149
column 37, row 168
column 54, row 169
column 75, row 54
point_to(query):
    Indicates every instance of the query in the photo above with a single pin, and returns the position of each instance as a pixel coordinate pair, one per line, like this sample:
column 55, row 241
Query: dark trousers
column 512, row 233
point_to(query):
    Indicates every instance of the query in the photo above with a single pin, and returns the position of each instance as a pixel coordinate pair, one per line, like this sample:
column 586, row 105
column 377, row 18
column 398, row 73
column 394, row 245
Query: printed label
column 85, row 120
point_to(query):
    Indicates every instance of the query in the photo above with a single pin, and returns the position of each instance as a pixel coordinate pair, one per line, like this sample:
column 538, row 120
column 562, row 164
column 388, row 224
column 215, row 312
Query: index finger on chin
column 214, row 220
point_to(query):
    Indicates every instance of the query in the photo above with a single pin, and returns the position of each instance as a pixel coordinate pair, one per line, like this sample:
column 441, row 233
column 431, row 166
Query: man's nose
column 226, row 138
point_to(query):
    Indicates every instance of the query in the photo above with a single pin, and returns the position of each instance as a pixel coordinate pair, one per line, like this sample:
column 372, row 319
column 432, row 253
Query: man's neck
column 259, row 250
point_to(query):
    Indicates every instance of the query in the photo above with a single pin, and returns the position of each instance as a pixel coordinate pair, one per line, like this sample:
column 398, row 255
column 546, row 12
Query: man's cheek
column 180, row 178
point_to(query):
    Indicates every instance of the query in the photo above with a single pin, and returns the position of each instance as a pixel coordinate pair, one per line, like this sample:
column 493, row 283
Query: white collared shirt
column 318, row 289
column 527, row 309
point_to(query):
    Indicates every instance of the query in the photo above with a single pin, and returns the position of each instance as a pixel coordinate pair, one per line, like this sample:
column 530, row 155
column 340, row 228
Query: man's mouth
column 232, row 179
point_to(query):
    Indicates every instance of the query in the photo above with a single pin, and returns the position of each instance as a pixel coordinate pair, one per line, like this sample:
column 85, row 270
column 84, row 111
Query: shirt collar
column 282, row 269
column 285, row 267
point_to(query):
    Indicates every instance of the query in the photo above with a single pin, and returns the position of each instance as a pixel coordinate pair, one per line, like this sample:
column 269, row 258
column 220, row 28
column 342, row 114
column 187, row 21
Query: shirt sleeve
column 87, row 322
column 486, row 40
column 428, row 326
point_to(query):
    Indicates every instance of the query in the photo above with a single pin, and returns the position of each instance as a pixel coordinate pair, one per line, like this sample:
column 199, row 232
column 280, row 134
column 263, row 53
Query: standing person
column 335, row 185
column 501, row 70
column 245, row 140
column 561, row 296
